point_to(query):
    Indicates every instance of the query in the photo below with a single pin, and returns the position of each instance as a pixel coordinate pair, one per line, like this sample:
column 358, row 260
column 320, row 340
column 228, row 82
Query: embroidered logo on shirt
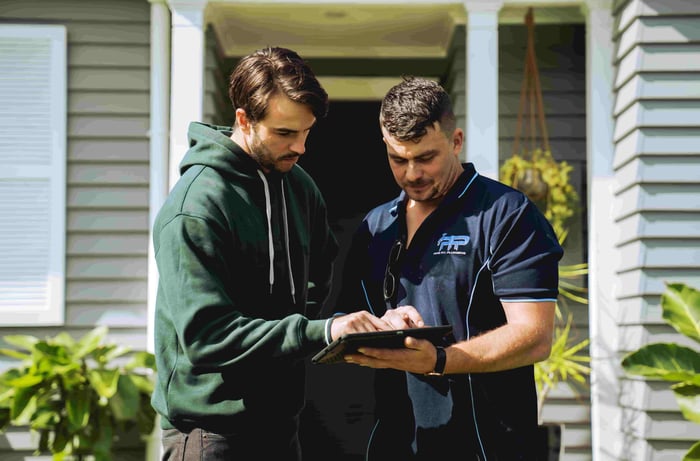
column 452, row 245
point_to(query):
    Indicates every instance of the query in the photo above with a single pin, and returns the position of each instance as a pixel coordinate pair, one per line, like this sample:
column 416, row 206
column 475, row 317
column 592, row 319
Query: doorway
column 347, row 158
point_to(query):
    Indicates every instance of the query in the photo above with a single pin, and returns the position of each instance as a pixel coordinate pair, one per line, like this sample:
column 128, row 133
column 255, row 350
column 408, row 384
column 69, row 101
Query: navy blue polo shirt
column 484, row 244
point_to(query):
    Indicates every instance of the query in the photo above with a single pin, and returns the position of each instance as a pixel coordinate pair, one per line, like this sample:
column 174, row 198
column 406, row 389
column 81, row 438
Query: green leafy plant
column 74, row 394
column 566, row 362
column 672, row 362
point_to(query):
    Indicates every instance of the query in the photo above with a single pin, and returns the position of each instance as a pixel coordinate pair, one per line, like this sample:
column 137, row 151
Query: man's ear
column 458, row 140
column 242, row 120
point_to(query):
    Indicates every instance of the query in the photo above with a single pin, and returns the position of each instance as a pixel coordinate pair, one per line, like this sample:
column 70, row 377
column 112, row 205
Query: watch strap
column 440, row 361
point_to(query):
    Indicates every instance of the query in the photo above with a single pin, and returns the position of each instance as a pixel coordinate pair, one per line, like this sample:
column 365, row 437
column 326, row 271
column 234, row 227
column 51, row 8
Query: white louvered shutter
column 32, row 174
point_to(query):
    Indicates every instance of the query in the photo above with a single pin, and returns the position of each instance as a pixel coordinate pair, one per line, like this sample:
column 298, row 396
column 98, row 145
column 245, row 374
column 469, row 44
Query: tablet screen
column 349, row 343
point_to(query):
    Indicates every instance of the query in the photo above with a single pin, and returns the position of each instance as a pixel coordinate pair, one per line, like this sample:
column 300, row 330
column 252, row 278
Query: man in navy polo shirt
column 465, row 250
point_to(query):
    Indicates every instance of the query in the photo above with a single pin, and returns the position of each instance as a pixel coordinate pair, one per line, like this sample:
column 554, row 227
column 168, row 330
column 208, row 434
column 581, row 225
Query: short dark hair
column 413, row 105
column 270, row 71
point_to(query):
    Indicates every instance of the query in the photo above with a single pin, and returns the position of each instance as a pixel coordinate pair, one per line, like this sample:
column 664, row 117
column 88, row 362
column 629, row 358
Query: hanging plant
column 532, row 168
column 546, row 182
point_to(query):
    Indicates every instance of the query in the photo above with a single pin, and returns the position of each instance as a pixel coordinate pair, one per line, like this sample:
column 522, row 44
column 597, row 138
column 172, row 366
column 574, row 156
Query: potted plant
column 546, row 182
column 672, row 362
column 79, row 396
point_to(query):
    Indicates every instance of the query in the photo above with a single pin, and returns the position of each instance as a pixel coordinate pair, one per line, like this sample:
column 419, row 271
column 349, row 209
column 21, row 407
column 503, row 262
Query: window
column 32, row 174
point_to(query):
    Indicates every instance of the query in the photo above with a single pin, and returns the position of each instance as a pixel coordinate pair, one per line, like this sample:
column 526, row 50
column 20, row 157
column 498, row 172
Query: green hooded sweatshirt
column 237, row 251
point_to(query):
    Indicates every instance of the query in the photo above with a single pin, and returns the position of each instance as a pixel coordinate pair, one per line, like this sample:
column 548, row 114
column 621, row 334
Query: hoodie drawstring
column 268, row 210
column 286, row 242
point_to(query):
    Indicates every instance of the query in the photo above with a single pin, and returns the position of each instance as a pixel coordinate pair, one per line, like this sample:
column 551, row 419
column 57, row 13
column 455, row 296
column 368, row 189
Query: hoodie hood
column 210, row 145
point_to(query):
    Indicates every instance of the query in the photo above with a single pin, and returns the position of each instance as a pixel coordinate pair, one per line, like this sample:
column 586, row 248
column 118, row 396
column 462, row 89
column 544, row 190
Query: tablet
column 387, row 339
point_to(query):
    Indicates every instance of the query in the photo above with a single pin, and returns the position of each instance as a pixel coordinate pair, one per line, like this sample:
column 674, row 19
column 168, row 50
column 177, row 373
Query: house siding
column 217, row 105
column 657, row 201
column 455, row 81
column 560, row 53
column 107, row 175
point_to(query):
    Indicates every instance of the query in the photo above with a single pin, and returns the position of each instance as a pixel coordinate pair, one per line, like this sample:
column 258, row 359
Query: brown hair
column 269, row 71
column 412, row 106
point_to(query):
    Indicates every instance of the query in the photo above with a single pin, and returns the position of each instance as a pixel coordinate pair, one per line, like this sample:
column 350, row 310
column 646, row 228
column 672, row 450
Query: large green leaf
column 56, row 353
column 45, row 365
column 60, row 440
column 65, row 340
column 15, row 354
column 103, row 441
column 68, row 368
column 90, row 341
column 143, row 383
column 84, row 441
column 125, row 403
column 44, row 418
column 72, row 380
column 108, row 353
column 9, row 375
column 25, row 342
column 24, row 405
column 693, row 454
column 681, row 309
column 104, row 382
column 667, row 361
column 26, row 381
column 6, row 396
column 688, row 398
column 147, row 415
column 78, row 408
column 142, row 359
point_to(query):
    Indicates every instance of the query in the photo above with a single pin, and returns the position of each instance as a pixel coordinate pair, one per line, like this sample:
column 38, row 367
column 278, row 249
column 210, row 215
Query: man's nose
column 299, row 145
column 413, row 171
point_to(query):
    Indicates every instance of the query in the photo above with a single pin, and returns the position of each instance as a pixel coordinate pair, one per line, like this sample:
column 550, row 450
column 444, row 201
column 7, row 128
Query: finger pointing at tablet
column 356, row 322
column 403, row 317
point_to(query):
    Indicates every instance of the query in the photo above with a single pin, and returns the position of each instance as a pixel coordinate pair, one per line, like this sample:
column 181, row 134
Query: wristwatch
column 440, row 361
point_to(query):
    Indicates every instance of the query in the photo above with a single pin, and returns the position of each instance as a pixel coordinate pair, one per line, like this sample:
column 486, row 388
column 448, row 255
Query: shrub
column 74, row 394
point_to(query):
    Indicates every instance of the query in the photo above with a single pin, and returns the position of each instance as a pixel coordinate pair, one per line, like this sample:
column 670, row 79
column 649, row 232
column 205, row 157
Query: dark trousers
column 200, row 445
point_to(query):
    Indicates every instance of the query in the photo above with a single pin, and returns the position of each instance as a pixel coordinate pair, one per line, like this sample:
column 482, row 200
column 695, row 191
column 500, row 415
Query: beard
column 266, row 159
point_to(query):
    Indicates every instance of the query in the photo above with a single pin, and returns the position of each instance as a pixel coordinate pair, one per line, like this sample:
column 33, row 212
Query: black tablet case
column 389, row 339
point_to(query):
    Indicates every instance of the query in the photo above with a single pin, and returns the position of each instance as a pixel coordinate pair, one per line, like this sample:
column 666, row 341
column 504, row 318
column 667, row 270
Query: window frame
column 51, row 313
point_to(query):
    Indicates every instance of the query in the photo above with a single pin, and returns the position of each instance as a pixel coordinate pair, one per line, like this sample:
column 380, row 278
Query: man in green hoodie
column 243, row 247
